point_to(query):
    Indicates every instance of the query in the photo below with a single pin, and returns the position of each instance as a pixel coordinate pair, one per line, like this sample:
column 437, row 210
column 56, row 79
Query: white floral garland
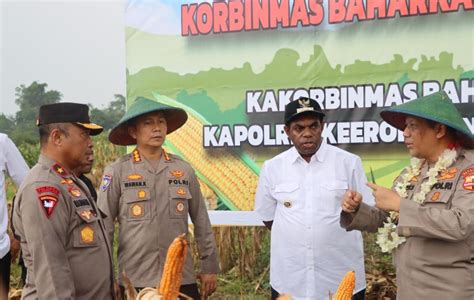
column 387, row 237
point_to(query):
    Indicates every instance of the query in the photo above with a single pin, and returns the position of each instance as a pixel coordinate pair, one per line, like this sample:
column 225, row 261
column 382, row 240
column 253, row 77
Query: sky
column 76, row 47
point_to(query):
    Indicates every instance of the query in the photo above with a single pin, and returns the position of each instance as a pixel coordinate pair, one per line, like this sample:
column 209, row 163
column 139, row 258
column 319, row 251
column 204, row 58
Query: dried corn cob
column 346, row 287
column 173, row 269
column 226, row 173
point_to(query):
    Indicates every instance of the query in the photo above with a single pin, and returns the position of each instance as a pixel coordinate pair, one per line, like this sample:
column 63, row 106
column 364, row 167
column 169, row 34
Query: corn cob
column 173, row 269
column 346, row 287
column 224, row 171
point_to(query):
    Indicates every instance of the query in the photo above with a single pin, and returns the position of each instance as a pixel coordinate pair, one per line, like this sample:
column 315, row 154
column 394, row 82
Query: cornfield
column 243, row 251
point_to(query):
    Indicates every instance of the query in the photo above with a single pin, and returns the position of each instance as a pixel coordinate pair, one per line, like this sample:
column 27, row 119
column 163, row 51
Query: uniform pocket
column 286, row 194
column 179, row 197
column 137, row 203
column 438, row 198
column 331, row 196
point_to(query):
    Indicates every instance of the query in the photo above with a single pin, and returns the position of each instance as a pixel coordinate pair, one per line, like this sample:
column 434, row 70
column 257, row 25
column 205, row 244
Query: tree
column 109, row 116
column 6, row 124
column 29, row 99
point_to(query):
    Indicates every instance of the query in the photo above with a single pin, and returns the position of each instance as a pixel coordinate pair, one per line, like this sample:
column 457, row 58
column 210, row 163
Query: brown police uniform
column 437, row 259
column 63, row 237
column 152, row 208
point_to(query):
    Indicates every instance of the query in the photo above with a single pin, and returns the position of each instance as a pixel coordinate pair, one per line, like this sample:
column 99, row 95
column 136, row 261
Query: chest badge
column 288, row 204
column 75, row 192
column 177, row 173
column 86, row 214
column 134, row 176
column 181, row 191
column 180, row 207
column 137, row 210
column 435, row 196
column 141, row 194
column 87, row 234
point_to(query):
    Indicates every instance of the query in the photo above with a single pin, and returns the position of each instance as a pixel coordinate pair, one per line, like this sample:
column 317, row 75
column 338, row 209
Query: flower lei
column 387, row 237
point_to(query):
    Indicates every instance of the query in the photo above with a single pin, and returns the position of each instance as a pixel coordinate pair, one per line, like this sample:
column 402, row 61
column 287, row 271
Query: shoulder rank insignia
column 58, row 169
column 106, row 181
column 136, row 156
column 166, row 155
column 48, row 202
column 468, row 175
column 177, row 173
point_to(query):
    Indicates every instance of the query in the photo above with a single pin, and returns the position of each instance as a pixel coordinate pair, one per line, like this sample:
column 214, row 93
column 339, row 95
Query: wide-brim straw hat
column 175, row 118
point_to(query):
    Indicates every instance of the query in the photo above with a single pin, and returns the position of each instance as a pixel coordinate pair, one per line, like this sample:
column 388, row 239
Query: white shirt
column 12, row 162
column 310, row 252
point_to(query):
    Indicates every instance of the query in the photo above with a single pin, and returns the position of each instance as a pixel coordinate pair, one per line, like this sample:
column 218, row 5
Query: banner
column 234, row 65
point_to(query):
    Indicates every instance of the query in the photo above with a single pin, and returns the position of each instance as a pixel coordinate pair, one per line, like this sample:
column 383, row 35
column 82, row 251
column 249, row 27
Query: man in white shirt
column 12, row 162
column 299, row 199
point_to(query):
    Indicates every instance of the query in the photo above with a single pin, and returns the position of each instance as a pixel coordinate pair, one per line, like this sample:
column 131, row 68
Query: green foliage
column 30, row 153
column 7, row 124
column 29, row 99
column 109, row 116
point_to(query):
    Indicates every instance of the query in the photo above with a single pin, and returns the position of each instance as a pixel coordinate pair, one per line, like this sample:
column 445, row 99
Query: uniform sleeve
column 265, row 204
column 454, row 224
column 108, row 199
column 209, row 260
column 16, row 165
column 367, row 218
column 359, row 182
column 46, row 240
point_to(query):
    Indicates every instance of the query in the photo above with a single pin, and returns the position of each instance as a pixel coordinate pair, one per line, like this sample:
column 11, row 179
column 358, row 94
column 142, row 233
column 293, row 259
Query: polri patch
column 48, row 202
column 106, row 181
column 468, row 175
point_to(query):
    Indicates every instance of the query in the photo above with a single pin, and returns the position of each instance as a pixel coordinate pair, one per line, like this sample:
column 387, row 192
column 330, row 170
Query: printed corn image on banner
column 234, row 65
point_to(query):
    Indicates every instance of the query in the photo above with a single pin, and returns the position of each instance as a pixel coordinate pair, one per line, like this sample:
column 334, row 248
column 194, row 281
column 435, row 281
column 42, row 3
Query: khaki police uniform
column 152, row 207
column 437, row 259
column 63, row 237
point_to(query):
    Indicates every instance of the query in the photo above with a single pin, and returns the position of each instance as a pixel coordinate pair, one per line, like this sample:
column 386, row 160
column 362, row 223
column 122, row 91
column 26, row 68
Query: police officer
column 151, row 193
column 63, row 237
column 431, row 204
